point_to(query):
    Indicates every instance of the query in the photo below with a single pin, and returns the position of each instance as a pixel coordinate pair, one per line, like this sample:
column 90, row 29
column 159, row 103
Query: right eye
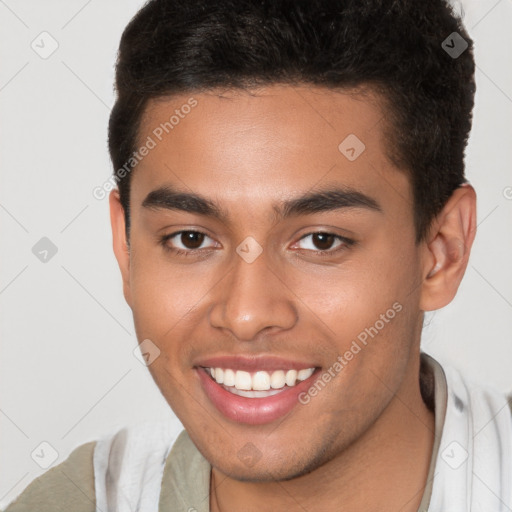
column 185, row 242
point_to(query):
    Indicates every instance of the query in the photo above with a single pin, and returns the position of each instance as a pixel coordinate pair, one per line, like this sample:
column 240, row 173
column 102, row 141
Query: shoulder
column 129, row 464
column 186, row 478
column 67, row 486
column 130, row 459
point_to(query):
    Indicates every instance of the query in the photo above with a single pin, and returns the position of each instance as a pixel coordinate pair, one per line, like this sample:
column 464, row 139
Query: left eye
column 323, row 242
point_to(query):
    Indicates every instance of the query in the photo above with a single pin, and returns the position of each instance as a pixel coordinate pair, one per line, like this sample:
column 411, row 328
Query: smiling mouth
column 257, row 384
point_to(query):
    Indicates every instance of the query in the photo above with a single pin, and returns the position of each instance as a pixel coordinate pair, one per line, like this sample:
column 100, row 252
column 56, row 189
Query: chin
column 278, row 470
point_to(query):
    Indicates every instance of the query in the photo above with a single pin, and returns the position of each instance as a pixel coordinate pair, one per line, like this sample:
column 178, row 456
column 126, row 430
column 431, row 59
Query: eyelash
column 347, row 242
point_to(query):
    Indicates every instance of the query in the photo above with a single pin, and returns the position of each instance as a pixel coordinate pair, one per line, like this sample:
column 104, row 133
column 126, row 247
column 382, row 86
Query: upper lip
column 253, row 363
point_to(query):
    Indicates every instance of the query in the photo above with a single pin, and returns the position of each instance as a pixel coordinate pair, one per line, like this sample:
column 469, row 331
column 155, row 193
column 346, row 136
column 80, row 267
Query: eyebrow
column 324, row 200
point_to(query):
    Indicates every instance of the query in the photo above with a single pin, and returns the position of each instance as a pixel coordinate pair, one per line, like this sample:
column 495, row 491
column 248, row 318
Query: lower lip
column 253, row 411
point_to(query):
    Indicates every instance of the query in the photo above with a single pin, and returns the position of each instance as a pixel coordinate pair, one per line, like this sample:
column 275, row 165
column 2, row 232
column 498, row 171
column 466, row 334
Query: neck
column 385, row 469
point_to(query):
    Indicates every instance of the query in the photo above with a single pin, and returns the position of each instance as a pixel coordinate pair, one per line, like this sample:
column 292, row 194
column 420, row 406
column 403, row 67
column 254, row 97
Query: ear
column 447, row 249
column 120, row 244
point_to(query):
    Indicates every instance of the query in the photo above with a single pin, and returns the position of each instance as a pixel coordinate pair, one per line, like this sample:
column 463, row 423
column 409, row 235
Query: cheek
column 351, row 296
column 164, row 293
column 371, row 314
column 159, row 302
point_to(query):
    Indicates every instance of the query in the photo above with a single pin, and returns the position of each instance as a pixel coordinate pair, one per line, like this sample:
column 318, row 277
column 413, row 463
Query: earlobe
column 447, row 252
column 119, row 242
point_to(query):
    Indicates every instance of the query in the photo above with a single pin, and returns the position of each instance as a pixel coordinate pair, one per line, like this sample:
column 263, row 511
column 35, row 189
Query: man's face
column 263, row 287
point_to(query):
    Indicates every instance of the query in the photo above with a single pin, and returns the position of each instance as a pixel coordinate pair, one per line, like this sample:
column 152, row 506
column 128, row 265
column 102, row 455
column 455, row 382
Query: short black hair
column 396, row 47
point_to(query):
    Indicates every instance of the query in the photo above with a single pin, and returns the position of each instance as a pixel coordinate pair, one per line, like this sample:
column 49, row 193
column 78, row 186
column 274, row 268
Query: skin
column 353, row 443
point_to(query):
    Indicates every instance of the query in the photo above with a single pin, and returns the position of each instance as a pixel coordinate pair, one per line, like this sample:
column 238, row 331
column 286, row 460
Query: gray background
column 67, row 369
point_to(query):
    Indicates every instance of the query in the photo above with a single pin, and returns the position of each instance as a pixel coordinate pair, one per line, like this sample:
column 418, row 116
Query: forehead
column 266, row 144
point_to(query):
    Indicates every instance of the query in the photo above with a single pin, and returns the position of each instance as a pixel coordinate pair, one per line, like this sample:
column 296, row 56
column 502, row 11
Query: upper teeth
column 260, row 380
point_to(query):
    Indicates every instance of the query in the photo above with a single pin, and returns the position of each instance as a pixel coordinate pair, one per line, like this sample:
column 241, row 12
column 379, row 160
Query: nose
column 252, row 298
